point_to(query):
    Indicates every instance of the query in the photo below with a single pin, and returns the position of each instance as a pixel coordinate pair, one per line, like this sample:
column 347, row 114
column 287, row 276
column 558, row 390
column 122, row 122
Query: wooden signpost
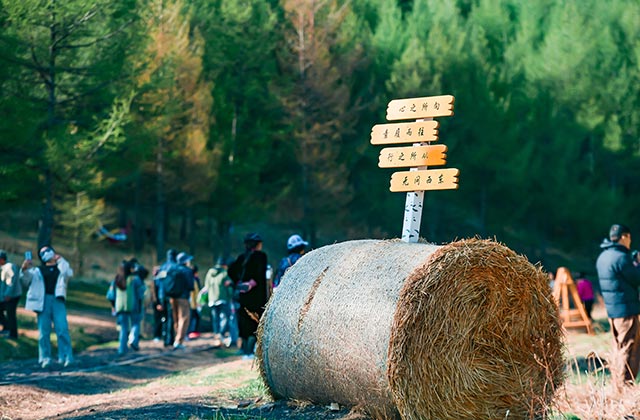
column 429, row 107
column 415, row 132
column 423, row 180
column 418, row 157
column 405, row 157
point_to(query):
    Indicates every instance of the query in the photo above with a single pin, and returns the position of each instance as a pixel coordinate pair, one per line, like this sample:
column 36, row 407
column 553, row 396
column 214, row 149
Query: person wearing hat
column 10, row 293
column 46, row 295
column 162, row 313
column 296, row 248
column 180, row 304
column 249, row 273
column 619, row 281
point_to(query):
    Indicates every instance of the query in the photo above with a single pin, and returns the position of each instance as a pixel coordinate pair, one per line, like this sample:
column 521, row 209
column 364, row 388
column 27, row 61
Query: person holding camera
column 619, row 281
column 46, row 295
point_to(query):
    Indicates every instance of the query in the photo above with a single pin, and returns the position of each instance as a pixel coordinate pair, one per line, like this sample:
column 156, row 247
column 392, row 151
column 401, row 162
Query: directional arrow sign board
column 420, row 132
column 405, row 157
column 416, row 108
column 413, row 132
column 422, row 180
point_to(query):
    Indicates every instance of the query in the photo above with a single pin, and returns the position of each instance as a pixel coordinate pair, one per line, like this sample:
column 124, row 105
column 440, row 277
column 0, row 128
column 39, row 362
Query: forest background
column 191, row 121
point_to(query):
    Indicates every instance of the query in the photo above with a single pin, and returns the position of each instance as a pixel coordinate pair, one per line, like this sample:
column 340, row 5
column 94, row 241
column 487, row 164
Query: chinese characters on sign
column 416, row 108
column 422, row 180
column 418, row 157
column 415, row 132
column 404, row 157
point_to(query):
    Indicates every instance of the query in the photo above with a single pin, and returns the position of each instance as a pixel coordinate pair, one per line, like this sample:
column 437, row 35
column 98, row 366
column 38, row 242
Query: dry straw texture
column 418, row 331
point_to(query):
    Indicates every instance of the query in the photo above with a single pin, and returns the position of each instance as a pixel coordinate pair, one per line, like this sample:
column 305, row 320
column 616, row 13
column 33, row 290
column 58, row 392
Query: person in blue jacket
column 296, row 248
column 619, row 281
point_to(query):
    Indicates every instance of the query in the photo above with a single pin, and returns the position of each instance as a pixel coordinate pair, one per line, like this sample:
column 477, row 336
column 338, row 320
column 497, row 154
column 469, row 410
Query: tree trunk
column 483, row 210
column 137, row 230
column 192, row 239
column 160, row 203
column 224, row 232
column 45, row 232
column 77, row 248
column 208, row 240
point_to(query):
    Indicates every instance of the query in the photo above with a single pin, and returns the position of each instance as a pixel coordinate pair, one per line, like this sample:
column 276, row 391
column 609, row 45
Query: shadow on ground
column 269, row 411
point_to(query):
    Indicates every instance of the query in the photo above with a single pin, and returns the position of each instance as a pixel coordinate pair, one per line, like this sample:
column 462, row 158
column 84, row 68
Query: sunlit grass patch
column 252, row 389
column 224, row 416
column 23, row 348
column 80, row 295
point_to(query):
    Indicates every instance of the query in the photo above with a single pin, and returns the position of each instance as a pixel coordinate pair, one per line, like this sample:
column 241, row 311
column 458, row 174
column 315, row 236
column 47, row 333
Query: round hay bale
column 418, row 331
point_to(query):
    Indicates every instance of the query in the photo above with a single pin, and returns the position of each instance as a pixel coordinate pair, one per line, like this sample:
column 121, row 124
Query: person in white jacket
column 46, row 295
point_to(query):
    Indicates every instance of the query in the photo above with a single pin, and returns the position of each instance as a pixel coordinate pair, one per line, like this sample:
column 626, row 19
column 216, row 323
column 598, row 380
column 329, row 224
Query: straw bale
column 418, row 331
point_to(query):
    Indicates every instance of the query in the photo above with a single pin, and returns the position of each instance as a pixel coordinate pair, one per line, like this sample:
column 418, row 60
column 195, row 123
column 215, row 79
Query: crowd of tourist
column 233, row 295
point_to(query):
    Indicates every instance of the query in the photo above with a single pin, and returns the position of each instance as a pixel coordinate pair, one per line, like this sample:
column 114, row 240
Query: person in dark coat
column 619, row 281
column 162, row 312
column 248, row 273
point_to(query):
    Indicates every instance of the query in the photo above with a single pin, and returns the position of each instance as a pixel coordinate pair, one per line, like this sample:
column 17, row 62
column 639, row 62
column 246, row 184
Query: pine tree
column 318, row 106
column 65, row 54
column 241, row 40
column 173, row 107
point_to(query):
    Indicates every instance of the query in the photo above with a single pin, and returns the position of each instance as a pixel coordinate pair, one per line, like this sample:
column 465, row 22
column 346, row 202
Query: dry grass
column 491, row 347
column 589, row 392
column 468, row 330
column 597, row 399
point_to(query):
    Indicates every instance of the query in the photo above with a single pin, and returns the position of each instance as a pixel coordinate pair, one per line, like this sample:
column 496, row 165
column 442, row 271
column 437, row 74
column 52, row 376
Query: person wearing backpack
column 218, row 289
column 163, row 317
column 126, row 292
column 296, row 248
column 178, row 287
column 248, row 272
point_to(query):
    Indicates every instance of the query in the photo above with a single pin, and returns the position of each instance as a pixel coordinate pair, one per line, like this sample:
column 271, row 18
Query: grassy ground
column 81, row 297
column 588, row 392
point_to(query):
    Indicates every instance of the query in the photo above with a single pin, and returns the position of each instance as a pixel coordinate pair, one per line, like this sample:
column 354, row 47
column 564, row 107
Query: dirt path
column 200, row 381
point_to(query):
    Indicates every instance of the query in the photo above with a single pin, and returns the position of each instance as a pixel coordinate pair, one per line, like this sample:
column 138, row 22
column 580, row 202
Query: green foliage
column 63, row 56
column 240, row 42
column 249, row 111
